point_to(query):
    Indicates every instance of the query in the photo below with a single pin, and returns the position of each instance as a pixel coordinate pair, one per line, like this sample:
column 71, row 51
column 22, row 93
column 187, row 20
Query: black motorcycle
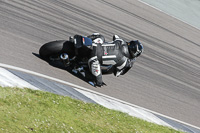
column 74, row 54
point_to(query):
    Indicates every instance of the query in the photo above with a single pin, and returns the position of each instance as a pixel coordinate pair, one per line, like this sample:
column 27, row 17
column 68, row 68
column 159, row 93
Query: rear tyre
column 49, row 49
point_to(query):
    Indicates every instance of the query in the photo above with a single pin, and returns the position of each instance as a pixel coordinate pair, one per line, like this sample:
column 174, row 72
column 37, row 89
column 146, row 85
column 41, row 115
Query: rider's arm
column 124, row 68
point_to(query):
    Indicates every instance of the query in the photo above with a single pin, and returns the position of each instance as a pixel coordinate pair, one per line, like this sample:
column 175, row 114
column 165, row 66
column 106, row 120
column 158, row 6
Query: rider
column 118, row 53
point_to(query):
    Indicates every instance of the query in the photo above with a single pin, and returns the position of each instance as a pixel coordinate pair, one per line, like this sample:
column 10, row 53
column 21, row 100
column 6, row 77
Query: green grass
column 25, row 110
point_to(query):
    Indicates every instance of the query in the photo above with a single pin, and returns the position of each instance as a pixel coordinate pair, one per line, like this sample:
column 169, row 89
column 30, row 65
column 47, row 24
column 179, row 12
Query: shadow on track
column 58, row 64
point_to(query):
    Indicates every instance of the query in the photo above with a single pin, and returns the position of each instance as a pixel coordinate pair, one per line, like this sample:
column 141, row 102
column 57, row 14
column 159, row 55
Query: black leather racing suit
column 114, row 53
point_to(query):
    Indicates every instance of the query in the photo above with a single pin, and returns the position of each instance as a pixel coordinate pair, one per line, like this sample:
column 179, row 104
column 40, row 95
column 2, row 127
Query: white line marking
column 7, row 79
column 132, row 111
column 91, row 91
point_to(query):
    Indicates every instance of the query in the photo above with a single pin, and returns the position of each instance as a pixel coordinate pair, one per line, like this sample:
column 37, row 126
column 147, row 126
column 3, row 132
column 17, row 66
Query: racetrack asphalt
column 164, row 79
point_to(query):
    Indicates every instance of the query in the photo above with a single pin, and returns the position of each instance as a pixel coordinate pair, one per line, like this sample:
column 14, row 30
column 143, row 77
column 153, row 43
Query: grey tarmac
column 164, row 79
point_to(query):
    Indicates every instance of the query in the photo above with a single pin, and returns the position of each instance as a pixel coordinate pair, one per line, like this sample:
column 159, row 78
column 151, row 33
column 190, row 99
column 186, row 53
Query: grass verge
column 26, row 110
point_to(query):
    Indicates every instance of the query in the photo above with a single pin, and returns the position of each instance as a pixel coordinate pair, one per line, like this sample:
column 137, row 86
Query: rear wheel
column 52, row 50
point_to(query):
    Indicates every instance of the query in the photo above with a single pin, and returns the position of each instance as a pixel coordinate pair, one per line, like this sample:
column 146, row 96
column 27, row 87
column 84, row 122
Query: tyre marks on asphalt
column 164, row 79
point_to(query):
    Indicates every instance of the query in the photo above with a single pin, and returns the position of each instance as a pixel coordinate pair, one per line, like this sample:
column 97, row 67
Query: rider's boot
column 115, row 37
column 97, row 38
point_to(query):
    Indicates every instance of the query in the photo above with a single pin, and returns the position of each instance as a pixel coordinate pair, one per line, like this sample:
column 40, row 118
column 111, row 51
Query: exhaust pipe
column 65, row 59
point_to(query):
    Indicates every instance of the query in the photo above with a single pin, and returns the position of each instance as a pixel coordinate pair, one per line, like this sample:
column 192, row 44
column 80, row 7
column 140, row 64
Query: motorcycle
column 74, row 55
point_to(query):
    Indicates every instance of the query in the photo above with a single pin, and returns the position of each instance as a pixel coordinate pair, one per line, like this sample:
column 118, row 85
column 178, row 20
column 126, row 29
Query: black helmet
column 135, row 48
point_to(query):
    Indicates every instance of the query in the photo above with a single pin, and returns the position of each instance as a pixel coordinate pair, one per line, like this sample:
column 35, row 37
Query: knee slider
column 95, row 67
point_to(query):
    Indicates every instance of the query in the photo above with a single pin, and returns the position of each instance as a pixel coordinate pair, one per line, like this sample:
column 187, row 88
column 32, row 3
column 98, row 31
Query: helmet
column 135, row 48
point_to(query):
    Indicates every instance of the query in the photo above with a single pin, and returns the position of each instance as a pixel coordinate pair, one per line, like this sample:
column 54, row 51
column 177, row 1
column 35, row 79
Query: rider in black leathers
column 118, row 53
